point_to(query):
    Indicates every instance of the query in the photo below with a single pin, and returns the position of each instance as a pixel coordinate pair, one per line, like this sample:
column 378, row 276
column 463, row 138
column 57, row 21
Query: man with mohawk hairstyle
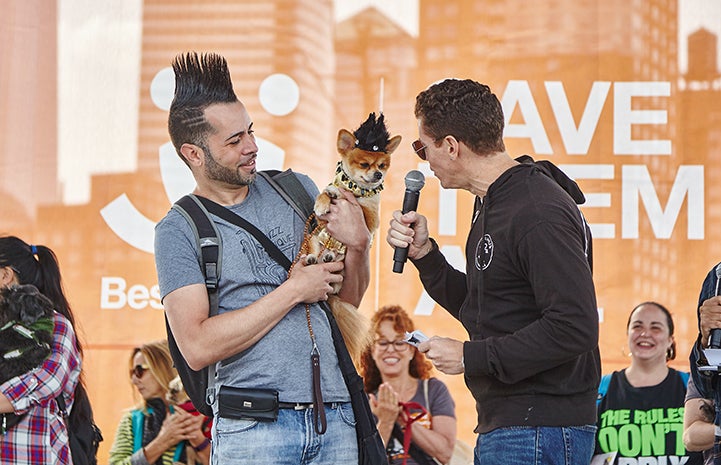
column 260, row 335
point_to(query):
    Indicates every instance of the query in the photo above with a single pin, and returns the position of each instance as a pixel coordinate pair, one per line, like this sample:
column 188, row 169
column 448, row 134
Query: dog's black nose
column 377, row 175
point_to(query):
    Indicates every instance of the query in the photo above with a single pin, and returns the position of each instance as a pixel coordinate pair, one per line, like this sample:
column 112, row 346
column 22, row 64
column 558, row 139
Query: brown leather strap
column 319, row 421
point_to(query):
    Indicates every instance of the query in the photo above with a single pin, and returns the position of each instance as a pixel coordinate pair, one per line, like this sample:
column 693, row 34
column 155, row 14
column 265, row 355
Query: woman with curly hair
column 398, row 381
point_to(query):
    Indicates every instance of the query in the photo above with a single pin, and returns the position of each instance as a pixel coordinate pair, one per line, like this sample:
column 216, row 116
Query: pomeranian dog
column 365, row 158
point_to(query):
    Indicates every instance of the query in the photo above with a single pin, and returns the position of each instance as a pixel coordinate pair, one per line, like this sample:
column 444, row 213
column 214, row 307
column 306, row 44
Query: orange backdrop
column 596, row 87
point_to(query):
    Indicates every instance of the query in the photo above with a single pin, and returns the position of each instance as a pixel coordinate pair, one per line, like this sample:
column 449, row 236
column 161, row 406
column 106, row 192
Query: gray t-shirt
column 281, row 359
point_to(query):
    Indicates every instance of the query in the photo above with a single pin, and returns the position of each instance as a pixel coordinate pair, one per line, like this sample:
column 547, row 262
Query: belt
column 294, row 405
column 302, row 406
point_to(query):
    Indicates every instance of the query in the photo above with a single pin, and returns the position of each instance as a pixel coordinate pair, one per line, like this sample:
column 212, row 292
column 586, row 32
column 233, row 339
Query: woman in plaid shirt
column 41, row 437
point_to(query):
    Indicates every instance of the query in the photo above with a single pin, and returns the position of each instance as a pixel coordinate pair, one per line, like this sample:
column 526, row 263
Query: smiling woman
column 640, row 408
column 404, row 397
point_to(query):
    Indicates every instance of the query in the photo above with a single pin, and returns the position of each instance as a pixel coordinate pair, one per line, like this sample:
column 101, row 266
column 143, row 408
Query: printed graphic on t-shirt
column 484, row 252
column 644, row 425
column 656, row 433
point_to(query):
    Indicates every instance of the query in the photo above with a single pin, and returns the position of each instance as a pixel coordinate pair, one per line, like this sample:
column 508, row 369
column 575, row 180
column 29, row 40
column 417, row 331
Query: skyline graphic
column 108, row 71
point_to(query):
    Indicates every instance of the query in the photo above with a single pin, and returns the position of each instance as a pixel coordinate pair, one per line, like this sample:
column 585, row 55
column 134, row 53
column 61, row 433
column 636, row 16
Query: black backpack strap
column 291, row 189
column 224, row 213
column 207, row 239
column 368, row 437
column 84, row 436
column 196, row 209
column 209, row 244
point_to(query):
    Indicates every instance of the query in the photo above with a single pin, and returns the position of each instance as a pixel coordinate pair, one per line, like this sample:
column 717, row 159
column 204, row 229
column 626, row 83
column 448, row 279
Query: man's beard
column 217, row 172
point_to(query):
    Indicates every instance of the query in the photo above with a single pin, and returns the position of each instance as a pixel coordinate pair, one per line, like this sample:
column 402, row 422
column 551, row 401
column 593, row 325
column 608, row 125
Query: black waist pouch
column 248, row 404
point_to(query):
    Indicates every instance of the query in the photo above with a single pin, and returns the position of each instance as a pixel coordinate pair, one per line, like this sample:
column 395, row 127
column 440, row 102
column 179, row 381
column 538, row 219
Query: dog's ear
column 346, row 141
column 30, row 304
column 393, row 144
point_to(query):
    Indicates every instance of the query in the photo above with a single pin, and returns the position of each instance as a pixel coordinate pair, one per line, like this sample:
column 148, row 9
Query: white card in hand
column 415, row 338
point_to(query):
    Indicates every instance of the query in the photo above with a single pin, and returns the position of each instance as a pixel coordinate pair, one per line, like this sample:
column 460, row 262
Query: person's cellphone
column 415, row 338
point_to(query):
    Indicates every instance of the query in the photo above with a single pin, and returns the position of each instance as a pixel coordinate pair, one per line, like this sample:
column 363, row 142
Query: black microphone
column 714, row 340
column 414, row 183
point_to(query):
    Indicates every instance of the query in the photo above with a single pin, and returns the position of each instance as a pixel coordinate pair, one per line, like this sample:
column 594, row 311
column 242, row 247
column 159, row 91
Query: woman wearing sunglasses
column 156, row 432
column 41, row 434
column 398, row 380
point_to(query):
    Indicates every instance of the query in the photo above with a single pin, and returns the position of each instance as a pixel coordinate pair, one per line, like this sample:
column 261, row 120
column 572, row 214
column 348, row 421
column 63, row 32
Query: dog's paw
column 328, row 256
column 322, row 205
column 332, row 191
column 335, row 288
column 311, row 259
column 321, row 211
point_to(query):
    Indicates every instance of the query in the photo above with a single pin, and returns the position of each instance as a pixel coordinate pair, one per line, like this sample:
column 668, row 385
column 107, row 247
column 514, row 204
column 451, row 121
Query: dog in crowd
column 177, row 396
column 26, row 330
column 365, row 156
column 26, row 336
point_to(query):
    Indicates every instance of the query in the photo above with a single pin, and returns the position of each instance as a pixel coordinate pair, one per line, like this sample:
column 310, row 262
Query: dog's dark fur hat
column 372, row 135
column 26, row 330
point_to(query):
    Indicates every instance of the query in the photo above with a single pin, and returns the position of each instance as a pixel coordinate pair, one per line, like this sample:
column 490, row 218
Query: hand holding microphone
column 414, row 183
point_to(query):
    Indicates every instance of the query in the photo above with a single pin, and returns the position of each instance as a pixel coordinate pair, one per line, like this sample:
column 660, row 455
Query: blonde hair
column 157, row 356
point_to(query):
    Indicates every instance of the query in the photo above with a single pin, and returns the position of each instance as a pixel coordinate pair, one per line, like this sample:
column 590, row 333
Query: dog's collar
column 343, row 180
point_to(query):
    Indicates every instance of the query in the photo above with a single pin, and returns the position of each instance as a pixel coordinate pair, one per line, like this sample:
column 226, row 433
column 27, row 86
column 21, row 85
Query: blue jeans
column 289, row 440
column 532, row 445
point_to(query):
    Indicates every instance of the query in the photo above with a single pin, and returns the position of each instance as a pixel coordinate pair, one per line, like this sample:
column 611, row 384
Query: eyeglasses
column 139, row 370
column 419, row 148
column 399, row 346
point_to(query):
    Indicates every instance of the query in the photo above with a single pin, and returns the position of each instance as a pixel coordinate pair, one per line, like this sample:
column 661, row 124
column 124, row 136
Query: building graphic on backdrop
column 700, row 129
column 28, row 163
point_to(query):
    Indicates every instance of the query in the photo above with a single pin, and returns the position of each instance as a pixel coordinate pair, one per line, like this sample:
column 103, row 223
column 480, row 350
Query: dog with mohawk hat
column 365, row 156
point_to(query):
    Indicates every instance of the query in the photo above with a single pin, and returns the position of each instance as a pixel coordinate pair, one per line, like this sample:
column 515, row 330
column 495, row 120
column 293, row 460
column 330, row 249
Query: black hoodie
column 527, row 301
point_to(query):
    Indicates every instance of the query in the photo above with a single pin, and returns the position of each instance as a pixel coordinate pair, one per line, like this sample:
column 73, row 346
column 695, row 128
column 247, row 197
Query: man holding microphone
column 527, row 297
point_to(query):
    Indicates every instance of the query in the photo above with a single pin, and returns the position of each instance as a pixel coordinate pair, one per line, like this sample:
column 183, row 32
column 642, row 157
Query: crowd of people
column 279, row 395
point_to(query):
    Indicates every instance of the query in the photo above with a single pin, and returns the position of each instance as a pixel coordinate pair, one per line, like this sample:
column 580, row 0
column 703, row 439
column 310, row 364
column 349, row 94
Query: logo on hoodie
column 484, row 252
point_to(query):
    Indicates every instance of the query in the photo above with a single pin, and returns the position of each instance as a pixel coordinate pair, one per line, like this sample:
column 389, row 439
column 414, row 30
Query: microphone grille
column 415, row 180
column 718, row 271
